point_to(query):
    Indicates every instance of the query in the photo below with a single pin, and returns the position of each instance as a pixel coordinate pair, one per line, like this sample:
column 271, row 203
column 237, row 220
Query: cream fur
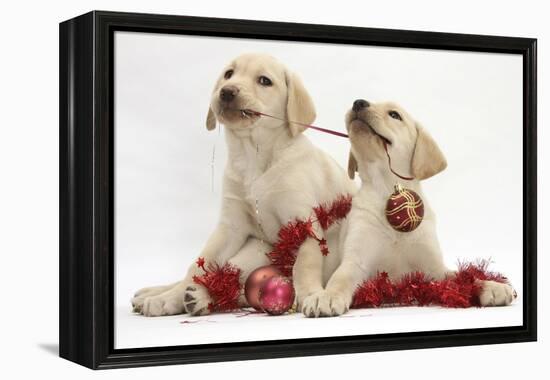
column 369, row 243
column 269, row 161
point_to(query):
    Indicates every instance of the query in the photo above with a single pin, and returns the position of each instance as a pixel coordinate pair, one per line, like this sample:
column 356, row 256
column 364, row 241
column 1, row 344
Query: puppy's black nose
column 359, row 104
column 228, row 93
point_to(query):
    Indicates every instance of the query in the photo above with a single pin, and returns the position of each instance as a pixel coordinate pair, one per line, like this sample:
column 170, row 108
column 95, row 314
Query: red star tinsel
column 327, row 214
column 459, row 290
column 324, row 247
column 293, row 235
column 222, row 284
column 200, row 263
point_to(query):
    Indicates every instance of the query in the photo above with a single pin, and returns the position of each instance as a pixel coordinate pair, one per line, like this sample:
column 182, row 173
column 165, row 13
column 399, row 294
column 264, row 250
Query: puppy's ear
column 210, row 120
column 352, row 165
column 299, row 106
column 427, row 159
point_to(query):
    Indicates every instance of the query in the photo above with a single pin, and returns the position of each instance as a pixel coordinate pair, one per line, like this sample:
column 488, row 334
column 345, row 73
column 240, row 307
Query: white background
column 165, row 208
column 29, row 157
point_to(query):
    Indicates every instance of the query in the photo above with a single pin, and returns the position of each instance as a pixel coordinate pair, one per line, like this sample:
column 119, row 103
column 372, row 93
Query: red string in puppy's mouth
column 374, row 131
column 248, row 112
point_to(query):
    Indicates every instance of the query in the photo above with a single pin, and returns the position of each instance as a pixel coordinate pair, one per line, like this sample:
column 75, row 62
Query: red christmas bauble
column 277, row 295
column 255, row 281
column 404, row 210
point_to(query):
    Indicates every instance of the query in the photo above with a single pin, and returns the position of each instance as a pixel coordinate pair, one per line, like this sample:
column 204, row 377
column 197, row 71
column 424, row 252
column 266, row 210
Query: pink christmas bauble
column 277, row 295
column 255, row 281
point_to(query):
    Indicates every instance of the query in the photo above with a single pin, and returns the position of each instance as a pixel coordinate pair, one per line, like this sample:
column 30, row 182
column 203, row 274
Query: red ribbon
column 389, row 164
column 329, row 131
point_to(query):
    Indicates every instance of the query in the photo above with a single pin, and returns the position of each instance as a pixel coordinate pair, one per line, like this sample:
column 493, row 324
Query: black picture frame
column 86, row 189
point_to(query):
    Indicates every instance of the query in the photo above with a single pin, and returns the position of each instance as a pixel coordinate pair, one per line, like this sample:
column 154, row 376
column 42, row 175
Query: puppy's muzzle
column 359, row 105
column 359, row 109
column 228, row 94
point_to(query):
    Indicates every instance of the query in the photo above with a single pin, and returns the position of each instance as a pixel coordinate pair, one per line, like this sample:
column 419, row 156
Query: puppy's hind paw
column 162, row 304
column 196, row 300
column 496, row 294
column 141, row 295
column 137, row 304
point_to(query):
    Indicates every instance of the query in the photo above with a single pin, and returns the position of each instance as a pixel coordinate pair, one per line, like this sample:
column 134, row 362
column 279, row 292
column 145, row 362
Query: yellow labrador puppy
column 273, row 175
column 369, row 243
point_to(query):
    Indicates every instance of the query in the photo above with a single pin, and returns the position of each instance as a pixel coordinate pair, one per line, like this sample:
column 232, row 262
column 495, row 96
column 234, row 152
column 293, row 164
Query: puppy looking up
column 273, row 175
column 370, row 244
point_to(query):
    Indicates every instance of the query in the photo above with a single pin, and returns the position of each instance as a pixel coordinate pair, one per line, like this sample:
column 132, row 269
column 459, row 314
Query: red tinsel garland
column 327, row 215
column 293, row 235
column 459, row 290
column 222, row 284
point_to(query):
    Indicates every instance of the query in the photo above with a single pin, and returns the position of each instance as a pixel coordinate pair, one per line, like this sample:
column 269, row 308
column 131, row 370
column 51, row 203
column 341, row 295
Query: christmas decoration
column 404, row 212
column 404, row 209
column 222, row 284
column 329, row 131
column 292, row 235
column 276, row 295
column 459, row 290
column 255, row 281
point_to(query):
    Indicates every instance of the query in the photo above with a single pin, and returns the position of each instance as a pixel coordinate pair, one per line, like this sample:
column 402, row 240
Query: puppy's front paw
column 324, row 304
column 496, row 294
column 196, row 300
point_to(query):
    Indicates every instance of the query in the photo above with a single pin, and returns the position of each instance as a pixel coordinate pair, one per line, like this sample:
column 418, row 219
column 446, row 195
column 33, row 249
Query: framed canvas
column 240, row 173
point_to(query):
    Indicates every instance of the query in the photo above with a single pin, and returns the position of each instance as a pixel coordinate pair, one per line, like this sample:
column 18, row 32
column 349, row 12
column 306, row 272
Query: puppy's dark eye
column 264, row 81
column 228, row 74
column 395, row 115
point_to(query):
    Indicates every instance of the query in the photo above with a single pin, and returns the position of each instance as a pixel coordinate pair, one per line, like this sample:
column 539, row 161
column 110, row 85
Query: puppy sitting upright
column 369, row 244
column 274, row 175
